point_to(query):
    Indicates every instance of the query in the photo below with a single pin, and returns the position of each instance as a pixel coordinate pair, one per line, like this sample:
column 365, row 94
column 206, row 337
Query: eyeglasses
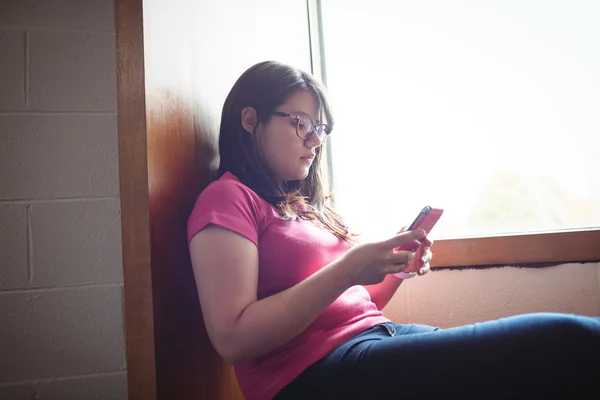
column 305, row 126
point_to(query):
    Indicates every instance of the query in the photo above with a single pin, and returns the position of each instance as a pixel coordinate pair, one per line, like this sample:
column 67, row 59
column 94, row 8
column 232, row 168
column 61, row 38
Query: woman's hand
column 423, row 256
column 369, row 263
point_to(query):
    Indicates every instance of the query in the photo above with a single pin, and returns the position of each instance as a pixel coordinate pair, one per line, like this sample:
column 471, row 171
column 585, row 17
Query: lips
column 311, row 157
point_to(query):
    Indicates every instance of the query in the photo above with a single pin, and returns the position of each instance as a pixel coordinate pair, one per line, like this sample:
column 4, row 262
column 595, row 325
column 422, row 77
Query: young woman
column 292, row 300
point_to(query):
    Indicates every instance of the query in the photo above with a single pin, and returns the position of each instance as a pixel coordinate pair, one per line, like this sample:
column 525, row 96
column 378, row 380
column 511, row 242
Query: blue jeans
column 531, row 356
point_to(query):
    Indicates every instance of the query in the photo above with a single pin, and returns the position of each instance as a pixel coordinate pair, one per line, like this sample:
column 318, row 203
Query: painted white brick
column 76, row 242
column 104, row 387
column 13, row 246
column 12, row 70
column 55, row 333
column 58, row 14
column 50, row 156
column 72, row 71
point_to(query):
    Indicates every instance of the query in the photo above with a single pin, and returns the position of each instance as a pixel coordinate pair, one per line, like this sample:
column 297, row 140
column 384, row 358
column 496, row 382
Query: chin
column 298, row 176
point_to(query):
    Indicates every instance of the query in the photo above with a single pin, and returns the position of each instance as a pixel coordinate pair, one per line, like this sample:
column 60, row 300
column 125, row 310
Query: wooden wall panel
column 177, row 61
column 133, row 175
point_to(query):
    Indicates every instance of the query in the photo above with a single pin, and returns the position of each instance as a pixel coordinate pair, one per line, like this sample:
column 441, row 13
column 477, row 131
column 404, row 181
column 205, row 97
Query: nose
column 314, row 141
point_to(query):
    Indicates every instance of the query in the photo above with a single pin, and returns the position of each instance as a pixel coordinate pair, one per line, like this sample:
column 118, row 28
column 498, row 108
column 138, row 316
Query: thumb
column 404, row 229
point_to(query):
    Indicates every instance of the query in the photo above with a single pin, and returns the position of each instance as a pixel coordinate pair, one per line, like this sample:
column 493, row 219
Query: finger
column 412, row 246
column 395, row 268
column 401, row 257
column 427, row 242
column 419, row 254
column 404, row 238
column 424, row 269
column 427, row 256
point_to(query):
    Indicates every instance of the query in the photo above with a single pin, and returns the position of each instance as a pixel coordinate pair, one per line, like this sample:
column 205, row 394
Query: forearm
column 275, row 320
column 382, row 293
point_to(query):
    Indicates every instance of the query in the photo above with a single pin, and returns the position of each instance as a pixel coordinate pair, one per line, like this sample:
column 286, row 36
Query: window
column 488, row 109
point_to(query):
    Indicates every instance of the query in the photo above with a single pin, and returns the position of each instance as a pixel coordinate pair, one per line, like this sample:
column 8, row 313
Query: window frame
column 519, row 249
column 524, row 249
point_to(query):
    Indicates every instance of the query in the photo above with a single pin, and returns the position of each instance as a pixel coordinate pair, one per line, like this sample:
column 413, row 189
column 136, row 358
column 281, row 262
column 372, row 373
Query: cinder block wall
column 61, row 291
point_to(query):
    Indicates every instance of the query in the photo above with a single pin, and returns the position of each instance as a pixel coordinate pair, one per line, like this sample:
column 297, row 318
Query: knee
column 578, row 331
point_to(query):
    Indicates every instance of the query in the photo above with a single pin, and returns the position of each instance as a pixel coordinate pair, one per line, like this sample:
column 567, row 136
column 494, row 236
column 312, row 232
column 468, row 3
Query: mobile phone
column 425, row 220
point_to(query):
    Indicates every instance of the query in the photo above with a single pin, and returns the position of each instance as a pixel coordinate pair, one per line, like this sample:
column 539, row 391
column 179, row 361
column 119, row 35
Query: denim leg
column 522, row 357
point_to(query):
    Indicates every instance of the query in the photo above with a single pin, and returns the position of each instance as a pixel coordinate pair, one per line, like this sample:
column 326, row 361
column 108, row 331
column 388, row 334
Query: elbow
column 230, row 350
column 232, row 342
column 233, row 356
column 234, row 360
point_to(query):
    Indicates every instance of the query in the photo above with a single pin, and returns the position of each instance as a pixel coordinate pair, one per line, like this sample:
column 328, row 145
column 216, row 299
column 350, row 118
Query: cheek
column 272, row 151
column 279, row 147
column 281, row 155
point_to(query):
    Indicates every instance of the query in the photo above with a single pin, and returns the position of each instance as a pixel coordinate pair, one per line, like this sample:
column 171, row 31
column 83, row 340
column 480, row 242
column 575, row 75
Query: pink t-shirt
column 289, row 252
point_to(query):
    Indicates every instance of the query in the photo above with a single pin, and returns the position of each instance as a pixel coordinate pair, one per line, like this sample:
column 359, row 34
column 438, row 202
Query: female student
column 293, row 300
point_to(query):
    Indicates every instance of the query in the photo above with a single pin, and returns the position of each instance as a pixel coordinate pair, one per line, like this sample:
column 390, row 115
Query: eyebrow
column 306, row 115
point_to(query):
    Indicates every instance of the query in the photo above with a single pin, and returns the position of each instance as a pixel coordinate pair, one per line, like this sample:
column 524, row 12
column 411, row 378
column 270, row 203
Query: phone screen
column 419, row 218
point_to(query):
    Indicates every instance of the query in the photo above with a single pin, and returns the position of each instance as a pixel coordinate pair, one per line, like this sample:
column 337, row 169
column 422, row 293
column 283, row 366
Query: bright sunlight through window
column 489, row 109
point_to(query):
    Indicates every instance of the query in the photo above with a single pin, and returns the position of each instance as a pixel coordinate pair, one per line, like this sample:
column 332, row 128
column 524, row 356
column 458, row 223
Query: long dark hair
column 264, row 87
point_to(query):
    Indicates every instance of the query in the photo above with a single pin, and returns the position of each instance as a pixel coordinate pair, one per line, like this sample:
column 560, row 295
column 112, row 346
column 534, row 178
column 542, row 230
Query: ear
column 249, row 119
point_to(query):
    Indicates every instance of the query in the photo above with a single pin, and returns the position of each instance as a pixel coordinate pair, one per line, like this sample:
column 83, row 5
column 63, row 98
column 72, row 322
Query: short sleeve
column 228, row 204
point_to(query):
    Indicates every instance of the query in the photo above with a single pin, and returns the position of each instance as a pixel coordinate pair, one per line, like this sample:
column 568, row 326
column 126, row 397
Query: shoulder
column 229, row 203
column 229, row 188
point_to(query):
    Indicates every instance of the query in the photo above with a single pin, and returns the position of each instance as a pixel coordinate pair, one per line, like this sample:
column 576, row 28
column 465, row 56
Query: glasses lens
column 322, row 131
column 305, row 127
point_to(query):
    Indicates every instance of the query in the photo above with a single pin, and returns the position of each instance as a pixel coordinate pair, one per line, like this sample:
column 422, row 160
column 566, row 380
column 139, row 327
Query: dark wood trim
column 557, row 247
column 135, row 227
